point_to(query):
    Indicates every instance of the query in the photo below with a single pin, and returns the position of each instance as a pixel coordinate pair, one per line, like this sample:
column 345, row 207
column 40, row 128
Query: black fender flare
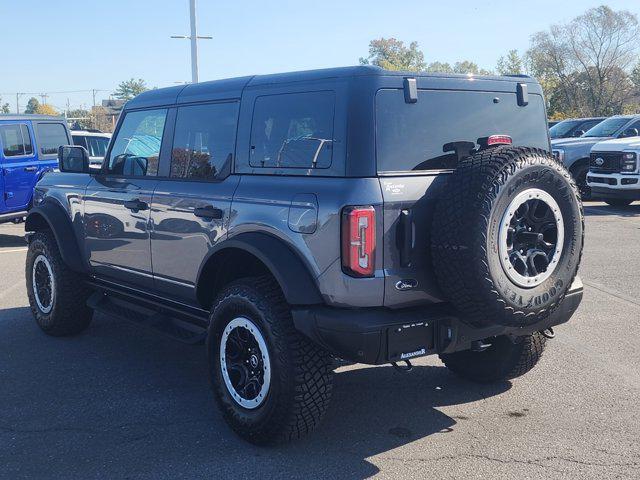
column 293, row 276
column 53, row 216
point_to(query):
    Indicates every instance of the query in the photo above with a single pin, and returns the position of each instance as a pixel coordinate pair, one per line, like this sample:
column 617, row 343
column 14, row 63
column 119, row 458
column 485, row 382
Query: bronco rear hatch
column 417, row 144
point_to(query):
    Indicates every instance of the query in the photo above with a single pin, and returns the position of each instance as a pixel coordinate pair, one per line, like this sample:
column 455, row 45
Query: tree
column 392, row 54
column 81, row 118
column 464, row 67
column 585, row 64
column 439, row 67
column 512, row 64
column 635, row 78
column 32, row 105
column 467, row 67
column 46, row 109
column 128, row 89
column 4, row 107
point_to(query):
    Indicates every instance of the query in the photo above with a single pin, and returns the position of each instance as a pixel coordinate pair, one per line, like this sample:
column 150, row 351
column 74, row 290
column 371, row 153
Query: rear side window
column 136, row 148
column 293, row 130
column 444, row 126
column 50, row 137
column 204, row 140
column 15, row 140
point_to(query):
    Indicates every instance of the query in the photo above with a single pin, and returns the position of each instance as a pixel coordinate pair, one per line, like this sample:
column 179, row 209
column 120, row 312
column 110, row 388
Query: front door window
column 136, row 149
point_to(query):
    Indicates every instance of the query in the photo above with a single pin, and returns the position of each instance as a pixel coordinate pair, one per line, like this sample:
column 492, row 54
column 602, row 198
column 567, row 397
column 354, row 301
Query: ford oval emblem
column 599, row 161
column 406, row 284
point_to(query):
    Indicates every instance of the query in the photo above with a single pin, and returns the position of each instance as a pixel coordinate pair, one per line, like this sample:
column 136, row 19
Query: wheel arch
column 50, row 216
column 254, row 254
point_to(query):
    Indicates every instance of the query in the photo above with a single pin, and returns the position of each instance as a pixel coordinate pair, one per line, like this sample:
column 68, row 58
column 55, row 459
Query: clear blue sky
column 62, row 45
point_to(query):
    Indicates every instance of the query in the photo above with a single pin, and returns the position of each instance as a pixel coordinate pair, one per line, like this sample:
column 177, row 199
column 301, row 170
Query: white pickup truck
column 614, row 171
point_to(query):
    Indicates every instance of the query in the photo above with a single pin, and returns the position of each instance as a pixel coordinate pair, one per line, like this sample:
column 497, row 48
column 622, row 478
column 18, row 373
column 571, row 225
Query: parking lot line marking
column 13, row 250
column 613, row 293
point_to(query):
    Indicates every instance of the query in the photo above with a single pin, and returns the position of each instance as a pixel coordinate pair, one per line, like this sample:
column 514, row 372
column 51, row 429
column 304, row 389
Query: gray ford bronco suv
column 288, row 220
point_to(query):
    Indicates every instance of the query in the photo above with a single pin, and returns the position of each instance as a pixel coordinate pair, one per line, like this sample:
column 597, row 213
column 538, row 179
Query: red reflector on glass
column 499, row 140
column 359, row 241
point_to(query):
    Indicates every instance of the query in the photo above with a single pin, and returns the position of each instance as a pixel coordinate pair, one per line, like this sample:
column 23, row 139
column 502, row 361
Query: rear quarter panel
column 275, row 205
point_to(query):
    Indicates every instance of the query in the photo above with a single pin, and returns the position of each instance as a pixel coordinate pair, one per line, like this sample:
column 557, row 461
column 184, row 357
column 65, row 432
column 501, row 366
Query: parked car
column 573, row 127
column 294, row 218
column 95, row 142
column 574, row 153
column 551, row 123
column 614, row 171
column 28, row 149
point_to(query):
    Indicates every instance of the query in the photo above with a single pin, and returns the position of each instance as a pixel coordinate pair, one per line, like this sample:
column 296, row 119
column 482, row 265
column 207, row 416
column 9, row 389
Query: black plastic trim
column 362, row 335
column 60, row 224
column 613, row 193
column 285, row 265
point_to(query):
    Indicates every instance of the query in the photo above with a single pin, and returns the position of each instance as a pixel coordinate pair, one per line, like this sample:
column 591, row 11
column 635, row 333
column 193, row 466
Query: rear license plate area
column 410, row 341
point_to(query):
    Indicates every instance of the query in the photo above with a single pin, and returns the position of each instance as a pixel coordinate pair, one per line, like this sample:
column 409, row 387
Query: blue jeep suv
column 28, row 149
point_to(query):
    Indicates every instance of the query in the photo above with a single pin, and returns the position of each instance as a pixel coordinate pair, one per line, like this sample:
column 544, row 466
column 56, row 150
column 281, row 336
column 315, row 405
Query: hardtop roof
column 28, row 116
column 233, row 87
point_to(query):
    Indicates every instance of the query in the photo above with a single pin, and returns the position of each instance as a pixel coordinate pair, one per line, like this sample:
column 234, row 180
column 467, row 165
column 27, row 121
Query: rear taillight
column 359, row 241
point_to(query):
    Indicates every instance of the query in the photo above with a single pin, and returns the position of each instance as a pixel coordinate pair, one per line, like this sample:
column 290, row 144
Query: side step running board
column 7, row 217
column 170, row 326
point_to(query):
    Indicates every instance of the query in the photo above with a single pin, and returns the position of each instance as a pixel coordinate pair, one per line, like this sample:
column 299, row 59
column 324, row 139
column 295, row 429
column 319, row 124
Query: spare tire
column 507, row 236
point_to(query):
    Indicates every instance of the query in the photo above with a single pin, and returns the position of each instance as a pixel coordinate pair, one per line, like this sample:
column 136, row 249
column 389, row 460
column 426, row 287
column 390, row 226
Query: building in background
column 106, row 115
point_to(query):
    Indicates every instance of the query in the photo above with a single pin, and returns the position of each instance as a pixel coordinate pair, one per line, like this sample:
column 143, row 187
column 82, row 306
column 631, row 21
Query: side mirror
column 630, row 132
column 73, row 159
column 578, row 133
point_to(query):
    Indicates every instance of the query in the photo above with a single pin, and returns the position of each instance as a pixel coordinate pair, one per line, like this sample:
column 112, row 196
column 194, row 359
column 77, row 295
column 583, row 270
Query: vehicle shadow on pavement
column 605, row 210
column 118, row 401
column 12, row 241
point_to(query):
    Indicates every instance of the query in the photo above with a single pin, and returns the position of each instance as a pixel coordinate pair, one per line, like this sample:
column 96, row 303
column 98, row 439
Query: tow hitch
column 405, row 369
column 548, row 332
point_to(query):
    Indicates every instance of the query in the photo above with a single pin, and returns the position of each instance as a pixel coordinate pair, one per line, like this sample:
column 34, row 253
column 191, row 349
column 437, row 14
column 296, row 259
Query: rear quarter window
column 438, row 130
column 293, row 130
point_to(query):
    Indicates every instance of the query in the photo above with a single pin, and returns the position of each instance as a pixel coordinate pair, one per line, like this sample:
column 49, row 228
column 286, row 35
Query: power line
column 40, row 93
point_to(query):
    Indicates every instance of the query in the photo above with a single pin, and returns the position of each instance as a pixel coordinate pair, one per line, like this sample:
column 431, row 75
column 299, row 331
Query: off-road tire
column 69, row 314
column 504, row 360
column 618, row 202
column 465, row 230
column 580, row 176
column 301, row 372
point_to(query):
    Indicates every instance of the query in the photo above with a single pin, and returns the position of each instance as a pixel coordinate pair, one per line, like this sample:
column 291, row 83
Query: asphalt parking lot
column 120, row 402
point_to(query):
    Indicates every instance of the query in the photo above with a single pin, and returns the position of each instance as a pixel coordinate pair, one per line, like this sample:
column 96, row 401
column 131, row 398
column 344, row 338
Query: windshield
column 607, row 128
column 562, row 128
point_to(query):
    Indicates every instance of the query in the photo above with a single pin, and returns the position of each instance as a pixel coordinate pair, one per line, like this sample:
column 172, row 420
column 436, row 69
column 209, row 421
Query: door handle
column 30, row 169
column 209, row 212
column 136, row 205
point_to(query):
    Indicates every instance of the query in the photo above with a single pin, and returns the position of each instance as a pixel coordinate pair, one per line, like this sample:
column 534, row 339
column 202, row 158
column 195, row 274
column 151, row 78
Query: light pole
column 194, row 37
column 18, row 95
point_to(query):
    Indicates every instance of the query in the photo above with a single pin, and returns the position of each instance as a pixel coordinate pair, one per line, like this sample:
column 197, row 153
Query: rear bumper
column 381, row 335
